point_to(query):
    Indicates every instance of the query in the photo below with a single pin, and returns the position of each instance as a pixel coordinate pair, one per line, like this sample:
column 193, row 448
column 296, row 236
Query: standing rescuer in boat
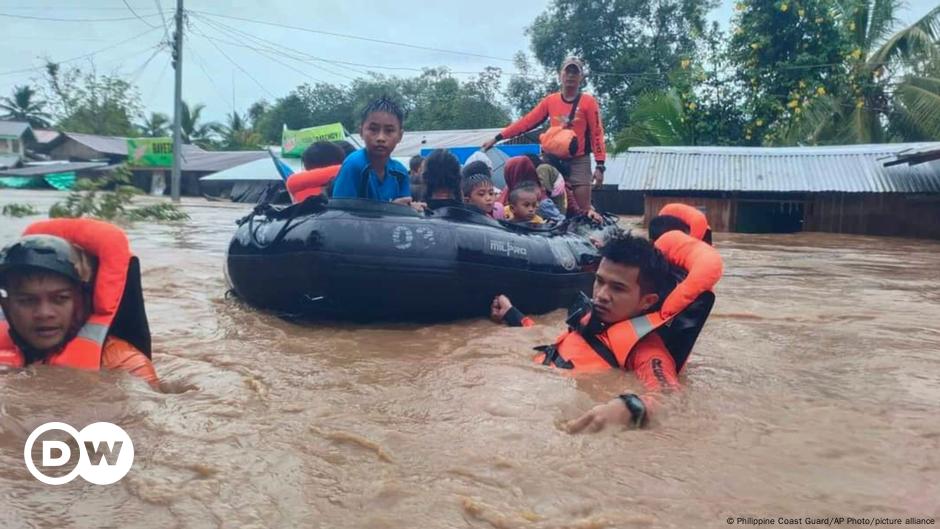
column 71, row 296
column 575, row 131
column 630, row 323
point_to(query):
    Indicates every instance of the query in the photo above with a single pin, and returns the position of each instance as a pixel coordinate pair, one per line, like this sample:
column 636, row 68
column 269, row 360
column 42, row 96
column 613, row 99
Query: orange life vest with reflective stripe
column 311, row 182
column 110, row 245
column 611, row 348
column 697, row 221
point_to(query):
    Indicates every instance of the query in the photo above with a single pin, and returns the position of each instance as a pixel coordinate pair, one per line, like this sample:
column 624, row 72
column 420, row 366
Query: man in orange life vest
column 631, row 323
column 71, row 296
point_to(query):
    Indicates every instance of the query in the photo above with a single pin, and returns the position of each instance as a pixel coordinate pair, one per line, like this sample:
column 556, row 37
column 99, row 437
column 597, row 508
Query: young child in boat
column 523, row 203
column 478, row 191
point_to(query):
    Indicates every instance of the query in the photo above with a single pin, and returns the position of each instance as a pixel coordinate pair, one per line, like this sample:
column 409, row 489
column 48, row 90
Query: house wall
column 719, row 211
column 621, row 202
column 894, row 214
column 901, row 215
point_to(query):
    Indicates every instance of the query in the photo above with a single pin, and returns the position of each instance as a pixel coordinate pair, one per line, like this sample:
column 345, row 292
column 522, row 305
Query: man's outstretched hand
column 499, row 308
column 599, row 417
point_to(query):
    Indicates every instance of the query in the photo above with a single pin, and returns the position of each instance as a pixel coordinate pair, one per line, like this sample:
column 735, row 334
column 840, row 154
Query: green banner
column 150, row 152
column 294, row 142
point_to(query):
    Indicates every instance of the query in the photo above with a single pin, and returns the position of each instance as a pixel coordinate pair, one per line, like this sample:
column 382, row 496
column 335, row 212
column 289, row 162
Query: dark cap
column 47, row 252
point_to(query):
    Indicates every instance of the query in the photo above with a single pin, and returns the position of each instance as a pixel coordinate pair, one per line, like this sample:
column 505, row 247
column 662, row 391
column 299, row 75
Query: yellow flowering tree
column 786, row 54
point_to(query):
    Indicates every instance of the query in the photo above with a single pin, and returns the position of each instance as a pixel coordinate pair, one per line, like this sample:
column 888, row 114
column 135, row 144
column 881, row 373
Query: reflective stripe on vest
column 572, row 350
column 704, row 268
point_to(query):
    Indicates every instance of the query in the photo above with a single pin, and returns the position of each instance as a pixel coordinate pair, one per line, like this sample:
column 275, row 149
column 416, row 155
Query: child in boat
column 442, row 177
column 371, row 173
column 478, row 192
column 321, row 161
column 523, row 203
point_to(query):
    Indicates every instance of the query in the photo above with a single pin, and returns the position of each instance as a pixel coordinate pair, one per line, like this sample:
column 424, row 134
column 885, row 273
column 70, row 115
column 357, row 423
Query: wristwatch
column 636, row 407
column 600, row 166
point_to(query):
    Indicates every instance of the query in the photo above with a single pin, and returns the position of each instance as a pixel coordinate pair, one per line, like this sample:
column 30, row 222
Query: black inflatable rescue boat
column 365, row 260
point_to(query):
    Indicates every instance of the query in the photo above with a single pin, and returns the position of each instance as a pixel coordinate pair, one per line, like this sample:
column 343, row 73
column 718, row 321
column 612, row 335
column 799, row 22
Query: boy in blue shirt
column 371, row 172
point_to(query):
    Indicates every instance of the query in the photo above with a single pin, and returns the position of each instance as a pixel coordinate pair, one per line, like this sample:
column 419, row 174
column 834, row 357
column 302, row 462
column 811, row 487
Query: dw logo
column 105, row 453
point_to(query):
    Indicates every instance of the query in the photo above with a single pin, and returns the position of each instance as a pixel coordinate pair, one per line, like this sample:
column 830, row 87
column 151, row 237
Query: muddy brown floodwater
column 814, row 391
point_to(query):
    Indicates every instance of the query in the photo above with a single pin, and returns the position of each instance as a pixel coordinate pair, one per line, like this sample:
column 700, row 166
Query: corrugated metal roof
column 114, row 145
column 13, row 128
column 215, row 161
column 44, row 169
column 413, row 141
column 851, row 169
column 917, row 156
column 261, row 169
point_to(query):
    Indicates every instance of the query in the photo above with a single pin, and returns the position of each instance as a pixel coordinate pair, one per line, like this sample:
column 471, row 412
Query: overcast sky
column 230, row 63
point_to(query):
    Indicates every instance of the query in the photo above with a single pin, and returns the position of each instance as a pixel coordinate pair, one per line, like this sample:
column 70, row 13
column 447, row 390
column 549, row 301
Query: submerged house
column 883, row 189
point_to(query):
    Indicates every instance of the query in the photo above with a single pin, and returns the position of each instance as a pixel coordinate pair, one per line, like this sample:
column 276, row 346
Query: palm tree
column 657, row 118
column 201, row 134
column 22, row 107
column 894, row 84
column 155, row 126
column 236, row 136
column 916, row 109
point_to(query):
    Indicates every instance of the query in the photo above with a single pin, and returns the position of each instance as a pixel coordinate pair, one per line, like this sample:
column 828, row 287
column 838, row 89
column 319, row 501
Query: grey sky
column 241, row 70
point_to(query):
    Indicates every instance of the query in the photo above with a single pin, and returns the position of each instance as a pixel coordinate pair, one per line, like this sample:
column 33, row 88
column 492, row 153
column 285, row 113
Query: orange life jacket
column 697, row 221
column 311, row 182
column 112, row 285
column 686, row 307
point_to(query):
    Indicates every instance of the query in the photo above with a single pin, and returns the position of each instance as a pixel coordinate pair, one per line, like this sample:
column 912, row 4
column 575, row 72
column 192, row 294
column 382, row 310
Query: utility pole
column 177, row 103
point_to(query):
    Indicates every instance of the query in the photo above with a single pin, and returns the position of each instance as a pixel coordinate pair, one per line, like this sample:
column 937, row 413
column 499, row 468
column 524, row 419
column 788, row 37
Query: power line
column 49, row 19
column 281, row 49
column 139, row 71
column 201, row 64
column 80, row 57
column 216, row 46
column 271, row 50
column 131, row 9
column 270, row 56
column 358, row 37
column 156, row 85
column 166, row 30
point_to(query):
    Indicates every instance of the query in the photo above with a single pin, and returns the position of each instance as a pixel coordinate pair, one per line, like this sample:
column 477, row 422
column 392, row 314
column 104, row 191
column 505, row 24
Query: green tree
column 915, row 113
column 630, row 45
column 92, row 103
column 701, row 107
column 23, row 106
column 237, row 136
column 257, row 111
column 290, row 111
column 893, row 88
column 528, row 86
column 657, row 118
column 157, row 125
column 440, row 101
column 193, row 129
column 787, row 53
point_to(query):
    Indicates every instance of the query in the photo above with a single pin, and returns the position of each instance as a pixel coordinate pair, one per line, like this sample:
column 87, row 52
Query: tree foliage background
column 786, row 72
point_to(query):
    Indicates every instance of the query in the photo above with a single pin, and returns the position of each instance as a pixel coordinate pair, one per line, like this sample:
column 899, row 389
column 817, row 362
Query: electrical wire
column 84, row 56
column 357, row 37
column 50, row 19
column 131, row 9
